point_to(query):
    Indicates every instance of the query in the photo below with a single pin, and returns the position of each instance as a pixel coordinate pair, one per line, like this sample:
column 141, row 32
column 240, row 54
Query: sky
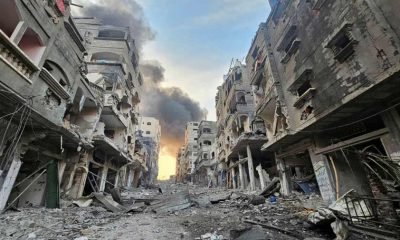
column 193, row 42
column 196, row 41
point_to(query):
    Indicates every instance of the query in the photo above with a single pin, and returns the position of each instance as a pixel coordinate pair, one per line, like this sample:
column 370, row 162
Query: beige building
column 239, row 133
column 76, row 84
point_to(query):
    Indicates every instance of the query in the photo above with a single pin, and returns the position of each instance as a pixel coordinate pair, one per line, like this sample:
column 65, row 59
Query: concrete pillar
column 130, row 177
column 285, row 187
column 19, row 32
column 117, row 180
column 324, row 176
column 9, row 181
column 241, row 177
column 53, row 191
column 260, row 173
column 251, row 169
column 233, row 178
column 61, row 168
column 136, row 177
column 103, row 180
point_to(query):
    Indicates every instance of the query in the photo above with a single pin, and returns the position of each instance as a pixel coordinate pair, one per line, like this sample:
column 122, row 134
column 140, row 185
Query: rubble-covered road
column 211, row 214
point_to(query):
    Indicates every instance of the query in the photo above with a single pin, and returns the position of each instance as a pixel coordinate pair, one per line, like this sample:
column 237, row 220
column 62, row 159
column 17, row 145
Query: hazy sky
column 195, row 42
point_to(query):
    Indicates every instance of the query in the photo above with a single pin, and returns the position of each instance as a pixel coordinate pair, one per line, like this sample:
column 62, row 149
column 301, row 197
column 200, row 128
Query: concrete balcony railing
column 14, row 57
column 270, row 94
column 110, row 109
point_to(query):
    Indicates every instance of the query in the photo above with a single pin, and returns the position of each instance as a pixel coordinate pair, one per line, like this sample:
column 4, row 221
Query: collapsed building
column 149, row 135
column 69, row 95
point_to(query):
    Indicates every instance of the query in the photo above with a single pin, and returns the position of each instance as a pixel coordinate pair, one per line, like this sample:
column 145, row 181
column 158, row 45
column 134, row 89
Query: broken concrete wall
column 55, row 45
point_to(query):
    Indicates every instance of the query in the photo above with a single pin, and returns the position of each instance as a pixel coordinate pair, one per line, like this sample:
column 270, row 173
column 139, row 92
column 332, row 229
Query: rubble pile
column 77, row 218
column 238, row 215
column 41, row 223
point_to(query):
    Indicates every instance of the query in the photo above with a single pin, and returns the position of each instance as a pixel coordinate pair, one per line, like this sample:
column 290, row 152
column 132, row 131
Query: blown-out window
column 9, row 16
column 32, row 45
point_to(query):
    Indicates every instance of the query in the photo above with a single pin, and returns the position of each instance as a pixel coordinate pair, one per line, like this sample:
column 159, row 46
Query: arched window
column 207, row 143
column 58, row 73
column 32, row 45
column 9, row 16
column 241, row 97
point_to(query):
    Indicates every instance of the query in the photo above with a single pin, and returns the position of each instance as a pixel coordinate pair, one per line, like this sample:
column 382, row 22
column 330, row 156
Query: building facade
column 149, row 134
column 320, row 83
column 206, row 165
column 68, row 105
column 187, row 155
column 240, row 133
column 329, row 91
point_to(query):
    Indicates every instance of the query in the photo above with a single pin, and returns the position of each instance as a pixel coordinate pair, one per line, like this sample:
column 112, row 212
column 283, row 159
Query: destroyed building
column 187, row 155
column 149, row 134
column 180, row 165
column 328, row 91
column 326, row 84
column 240, row 133
column 70, row 90
column 205, row 171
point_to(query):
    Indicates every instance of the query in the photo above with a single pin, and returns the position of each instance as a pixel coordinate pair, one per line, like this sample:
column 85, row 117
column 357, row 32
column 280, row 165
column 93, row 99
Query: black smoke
column 170, row 105
column 152, row 71
column 173, row 107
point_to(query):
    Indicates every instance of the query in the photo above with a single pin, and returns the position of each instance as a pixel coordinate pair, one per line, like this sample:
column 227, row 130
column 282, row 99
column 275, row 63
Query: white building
column 191, row 148
column 191, row 132
column 150, row 127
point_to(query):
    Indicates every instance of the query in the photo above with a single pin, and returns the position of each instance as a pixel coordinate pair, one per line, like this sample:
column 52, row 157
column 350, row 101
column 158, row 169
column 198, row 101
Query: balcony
column 304, row 98
column 108, row 145
column 16, row 59
column 110, row 114
column 268, row 101
column 258, row 73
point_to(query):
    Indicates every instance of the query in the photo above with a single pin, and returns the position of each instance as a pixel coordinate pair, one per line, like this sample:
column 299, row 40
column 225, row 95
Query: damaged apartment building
column 149, row 136
column 187, row 154
column 206, row 164
column 325, row 78
column 69, row 95
column 240, row 134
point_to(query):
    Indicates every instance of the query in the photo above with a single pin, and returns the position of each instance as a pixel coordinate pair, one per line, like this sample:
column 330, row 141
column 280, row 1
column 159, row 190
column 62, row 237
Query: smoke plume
column 170, row 105
column 123, row 13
